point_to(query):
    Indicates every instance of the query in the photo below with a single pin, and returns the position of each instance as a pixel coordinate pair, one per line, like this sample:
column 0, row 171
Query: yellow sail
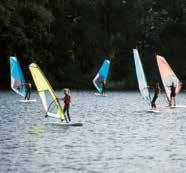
column 49, row 100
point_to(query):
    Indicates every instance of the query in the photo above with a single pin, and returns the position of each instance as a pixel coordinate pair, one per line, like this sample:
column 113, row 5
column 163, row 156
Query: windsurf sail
column 167, row 76
column 48, row 97
column 102, row 75
column 142, row 82
column 17, row 77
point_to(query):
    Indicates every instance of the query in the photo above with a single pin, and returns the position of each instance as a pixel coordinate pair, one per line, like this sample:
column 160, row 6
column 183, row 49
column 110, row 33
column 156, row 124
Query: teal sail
column 17, row 78
column 102, row 75
column 143, row 87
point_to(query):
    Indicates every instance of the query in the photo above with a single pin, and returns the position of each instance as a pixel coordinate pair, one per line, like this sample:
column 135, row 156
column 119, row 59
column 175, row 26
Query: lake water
column 118, row 135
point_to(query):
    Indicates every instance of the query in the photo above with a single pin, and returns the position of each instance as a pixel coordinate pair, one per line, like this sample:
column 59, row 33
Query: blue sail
column 102, row 75
column 143, row 87
column 17, row 78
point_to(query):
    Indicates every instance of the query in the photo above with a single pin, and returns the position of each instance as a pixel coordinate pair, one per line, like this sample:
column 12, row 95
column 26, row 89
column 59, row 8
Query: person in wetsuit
column 172, row 95
column 67, row 101
column 156, row 93
column 28, row 92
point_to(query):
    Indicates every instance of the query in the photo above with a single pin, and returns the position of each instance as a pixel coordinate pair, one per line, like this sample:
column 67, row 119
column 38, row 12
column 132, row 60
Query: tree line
column 69, row 39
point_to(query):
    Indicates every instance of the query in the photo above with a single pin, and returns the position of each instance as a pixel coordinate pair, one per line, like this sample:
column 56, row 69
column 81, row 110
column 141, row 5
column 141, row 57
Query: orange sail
column 167, row 76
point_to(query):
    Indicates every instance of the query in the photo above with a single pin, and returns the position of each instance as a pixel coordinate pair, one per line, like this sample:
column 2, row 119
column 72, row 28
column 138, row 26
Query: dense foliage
column 70, row 38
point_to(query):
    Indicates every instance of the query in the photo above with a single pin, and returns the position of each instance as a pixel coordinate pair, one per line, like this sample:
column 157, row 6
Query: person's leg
column 153, row 105
column 170, row 102
column 26, row 95
column 68, row 115
column 174, row 99
column 102, row 91
column 155, row 101
column 64, row 110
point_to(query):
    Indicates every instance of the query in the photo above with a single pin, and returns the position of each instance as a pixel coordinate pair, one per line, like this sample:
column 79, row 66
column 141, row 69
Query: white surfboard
column 62, row 123
column 178, row 106
column 28, row 101
column 154, row 111
column 101, row 95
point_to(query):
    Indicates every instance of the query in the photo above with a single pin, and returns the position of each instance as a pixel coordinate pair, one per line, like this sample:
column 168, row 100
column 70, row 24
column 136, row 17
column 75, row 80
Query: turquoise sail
column 102, row 75
column 17, row 78
column 143, row 87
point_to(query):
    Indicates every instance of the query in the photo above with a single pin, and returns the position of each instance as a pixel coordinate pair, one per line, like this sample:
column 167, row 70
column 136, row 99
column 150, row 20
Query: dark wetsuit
column 173, row 91
column 27, row 96
column 67, row 100
column 156, row 92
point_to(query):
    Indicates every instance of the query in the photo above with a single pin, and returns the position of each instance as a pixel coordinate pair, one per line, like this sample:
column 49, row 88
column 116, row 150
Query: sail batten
column 17, row 77
column 102, row 75
column 48, row 97
column 142, row 83
column 167, row 76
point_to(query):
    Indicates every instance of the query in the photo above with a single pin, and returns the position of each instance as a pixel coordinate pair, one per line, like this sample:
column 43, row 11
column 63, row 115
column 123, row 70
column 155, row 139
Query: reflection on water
column 38, row 129
column 118, row 135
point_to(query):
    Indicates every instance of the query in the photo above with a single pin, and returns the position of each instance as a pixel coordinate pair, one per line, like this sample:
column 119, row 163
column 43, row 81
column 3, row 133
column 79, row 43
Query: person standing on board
column 28, row 92
column 172, row 95
column 156, row 93
column 67, row 101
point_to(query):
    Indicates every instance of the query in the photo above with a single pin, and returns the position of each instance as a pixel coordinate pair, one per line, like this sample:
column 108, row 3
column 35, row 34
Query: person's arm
column 60, row 98
column 22, row 84
column 148, row 87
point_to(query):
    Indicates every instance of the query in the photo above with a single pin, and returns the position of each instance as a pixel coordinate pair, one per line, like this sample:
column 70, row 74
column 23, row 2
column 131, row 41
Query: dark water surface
column 118, row 135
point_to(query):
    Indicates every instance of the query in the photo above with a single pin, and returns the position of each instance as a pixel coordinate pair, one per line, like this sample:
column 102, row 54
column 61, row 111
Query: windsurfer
column 67, row 101
column 28, row 92
column 156, row 93
column 172, row 95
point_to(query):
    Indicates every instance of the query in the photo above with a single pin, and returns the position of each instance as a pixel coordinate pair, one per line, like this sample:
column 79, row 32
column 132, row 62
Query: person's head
column 66, row 91
column 172, row 83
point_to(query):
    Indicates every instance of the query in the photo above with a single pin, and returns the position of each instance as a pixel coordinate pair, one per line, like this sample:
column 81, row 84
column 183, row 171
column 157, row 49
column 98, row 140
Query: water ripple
column 118, row 135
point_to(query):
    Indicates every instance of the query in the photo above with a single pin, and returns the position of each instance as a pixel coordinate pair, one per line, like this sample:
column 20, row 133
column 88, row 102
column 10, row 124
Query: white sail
column 142, row 83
